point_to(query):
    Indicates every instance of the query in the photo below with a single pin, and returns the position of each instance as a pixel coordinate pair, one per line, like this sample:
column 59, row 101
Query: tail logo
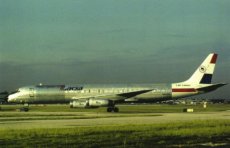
column 202, row 69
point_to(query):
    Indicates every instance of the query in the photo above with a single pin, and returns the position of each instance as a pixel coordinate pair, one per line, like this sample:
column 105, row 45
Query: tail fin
column 203, row 74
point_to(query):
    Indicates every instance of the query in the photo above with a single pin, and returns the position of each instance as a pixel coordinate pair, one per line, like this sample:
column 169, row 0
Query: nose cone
column 11, row 98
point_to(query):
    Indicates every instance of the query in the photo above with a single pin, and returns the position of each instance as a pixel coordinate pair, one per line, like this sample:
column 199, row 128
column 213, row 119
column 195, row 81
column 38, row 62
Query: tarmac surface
column 68, row 120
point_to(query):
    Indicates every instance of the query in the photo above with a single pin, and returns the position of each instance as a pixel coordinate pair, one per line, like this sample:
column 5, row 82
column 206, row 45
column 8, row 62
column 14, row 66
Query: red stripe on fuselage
column 183, row 90
column 213, row 60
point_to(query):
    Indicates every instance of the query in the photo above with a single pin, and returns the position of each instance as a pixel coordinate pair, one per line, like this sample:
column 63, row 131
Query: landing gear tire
column 109, row 109
column 112, row 109
column 24, row 109
column 116, row 109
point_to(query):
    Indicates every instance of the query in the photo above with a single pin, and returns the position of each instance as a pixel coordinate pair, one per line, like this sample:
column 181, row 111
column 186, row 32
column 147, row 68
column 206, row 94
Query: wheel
column 24, row 109
column 112, row 109
column 116, row 109
column 109, row 109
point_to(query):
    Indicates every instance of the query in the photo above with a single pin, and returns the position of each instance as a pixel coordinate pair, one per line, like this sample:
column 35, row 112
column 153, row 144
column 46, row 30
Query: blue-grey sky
column 111, row 41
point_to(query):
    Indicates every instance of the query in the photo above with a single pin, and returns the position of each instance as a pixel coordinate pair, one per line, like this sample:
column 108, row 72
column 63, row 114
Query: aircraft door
column 31, row 92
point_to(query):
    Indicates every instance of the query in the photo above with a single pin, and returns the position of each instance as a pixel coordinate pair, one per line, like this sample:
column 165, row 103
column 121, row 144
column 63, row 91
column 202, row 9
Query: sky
column 112, row 41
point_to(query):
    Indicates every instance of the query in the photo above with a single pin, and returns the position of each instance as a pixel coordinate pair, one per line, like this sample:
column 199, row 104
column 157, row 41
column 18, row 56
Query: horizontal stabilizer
column 211, row 87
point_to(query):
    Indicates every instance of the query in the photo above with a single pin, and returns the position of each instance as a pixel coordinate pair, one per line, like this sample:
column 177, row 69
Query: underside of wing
column 134, row 93
column 116, row 97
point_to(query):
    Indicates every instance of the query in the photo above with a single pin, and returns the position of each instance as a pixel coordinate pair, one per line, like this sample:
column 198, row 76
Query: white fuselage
column 64, row 94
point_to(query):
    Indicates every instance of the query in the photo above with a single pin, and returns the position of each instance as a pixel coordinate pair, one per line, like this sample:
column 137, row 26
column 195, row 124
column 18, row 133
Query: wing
column 116, row 97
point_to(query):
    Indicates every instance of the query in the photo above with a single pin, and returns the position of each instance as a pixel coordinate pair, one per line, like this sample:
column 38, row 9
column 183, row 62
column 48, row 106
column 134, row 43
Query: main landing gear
column 113, row 109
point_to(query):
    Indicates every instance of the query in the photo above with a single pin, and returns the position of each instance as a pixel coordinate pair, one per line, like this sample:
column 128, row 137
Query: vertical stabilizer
column 203, row 74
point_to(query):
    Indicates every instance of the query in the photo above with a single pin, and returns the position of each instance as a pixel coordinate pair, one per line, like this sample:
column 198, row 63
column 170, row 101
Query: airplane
column 93, row 96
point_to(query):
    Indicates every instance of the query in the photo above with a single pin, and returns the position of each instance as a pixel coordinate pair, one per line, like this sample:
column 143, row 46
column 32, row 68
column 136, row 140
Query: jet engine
column 99, row 102
column 79, row 103
column 90, row 103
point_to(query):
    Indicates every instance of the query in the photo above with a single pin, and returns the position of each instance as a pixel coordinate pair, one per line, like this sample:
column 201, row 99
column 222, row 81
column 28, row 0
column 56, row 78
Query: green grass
column 189, row 133
column 197, row 133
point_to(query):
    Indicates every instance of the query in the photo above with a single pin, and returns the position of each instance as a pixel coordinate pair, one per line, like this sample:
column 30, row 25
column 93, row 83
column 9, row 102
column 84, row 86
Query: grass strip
column 189, row 133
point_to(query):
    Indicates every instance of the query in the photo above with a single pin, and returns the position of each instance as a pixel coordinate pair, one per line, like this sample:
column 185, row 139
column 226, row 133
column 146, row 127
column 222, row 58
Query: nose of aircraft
column 11, row 98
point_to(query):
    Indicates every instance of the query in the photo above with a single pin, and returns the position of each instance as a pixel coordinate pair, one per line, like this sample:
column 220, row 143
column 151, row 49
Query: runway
column 11, row 120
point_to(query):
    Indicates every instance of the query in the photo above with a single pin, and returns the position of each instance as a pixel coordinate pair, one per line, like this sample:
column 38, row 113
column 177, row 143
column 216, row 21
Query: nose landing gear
column 25, row 108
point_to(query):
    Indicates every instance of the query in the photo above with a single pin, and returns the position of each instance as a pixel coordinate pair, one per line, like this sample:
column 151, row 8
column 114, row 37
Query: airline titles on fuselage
column 75, row 88
column 183, row 85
